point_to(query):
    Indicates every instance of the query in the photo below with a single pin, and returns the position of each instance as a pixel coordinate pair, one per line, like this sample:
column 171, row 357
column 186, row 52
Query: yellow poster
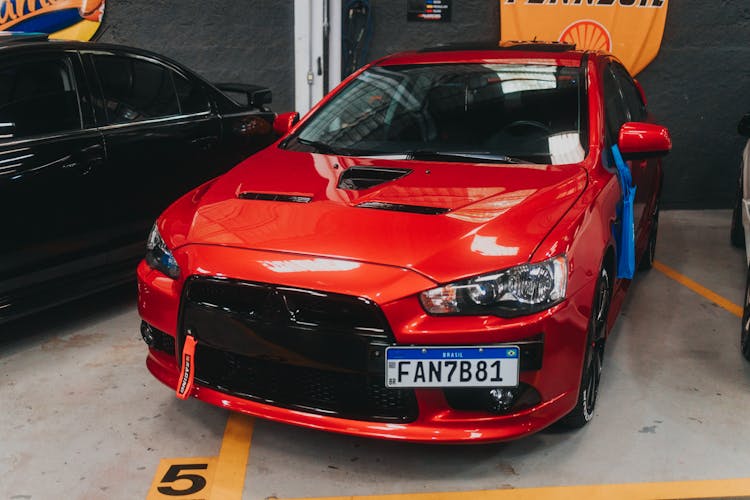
column 64, row 19
column 630, row 29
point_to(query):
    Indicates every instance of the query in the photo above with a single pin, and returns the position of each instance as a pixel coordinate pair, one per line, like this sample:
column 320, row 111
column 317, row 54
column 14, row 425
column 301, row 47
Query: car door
column 49, row 153
column 616, row 115
column 646, row 170
column 160, row 133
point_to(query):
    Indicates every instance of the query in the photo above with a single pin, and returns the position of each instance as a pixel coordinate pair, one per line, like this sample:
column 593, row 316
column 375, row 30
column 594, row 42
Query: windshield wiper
column 320, row 147
column 425, row 154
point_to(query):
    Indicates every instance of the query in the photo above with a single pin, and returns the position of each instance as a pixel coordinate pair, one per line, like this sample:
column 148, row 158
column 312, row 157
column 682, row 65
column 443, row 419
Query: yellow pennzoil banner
column 631, row 29
column 63, row 19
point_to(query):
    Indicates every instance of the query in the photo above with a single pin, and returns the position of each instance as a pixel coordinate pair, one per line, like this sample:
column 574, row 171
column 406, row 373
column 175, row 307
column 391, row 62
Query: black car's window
column 37, row 97
column 191, row 95
column 615, row 110
column 630, row 93
column 526, row 111
column 135, row 89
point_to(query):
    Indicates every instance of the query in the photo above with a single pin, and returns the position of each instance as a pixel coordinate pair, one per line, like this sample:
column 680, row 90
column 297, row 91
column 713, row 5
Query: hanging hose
column 356, row 35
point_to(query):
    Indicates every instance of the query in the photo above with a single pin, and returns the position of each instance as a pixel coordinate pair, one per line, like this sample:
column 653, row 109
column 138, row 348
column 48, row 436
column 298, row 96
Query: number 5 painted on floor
column 184, row 478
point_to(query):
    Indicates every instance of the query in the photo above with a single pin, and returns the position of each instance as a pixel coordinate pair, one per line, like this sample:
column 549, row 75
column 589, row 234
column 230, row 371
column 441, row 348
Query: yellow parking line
column 231, row 465
column 208, row 478
column 700, row 290
column 732, row 488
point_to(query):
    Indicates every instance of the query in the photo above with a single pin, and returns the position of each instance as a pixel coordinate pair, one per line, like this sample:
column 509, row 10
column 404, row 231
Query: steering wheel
column 526, row 124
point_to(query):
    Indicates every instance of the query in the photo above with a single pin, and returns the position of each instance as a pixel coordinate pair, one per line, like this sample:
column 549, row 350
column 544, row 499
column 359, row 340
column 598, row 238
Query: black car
column 95, row 141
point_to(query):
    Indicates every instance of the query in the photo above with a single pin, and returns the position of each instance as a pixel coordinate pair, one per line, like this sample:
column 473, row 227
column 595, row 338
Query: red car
column 435, row 253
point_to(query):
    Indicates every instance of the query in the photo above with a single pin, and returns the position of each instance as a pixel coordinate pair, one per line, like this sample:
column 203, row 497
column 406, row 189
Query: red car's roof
column 496, row 56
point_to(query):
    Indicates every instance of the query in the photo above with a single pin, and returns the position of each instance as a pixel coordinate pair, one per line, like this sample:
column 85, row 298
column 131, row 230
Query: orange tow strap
column 187, row 374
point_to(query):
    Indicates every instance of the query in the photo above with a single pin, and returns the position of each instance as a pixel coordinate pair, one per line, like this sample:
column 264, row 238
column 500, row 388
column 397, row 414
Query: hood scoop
column 396, row 207
column 359, row 178
column 289, row 198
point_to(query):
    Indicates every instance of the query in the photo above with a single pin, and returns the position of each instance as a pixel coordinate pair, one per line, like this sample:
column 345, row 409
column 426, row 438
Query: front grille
column 292, row 347
column 349, row 395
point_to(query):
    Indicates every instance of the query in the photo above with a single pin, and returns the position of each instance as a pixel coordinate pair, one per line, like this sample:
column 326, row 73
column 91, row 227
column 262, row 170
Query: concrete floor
column 80, row 417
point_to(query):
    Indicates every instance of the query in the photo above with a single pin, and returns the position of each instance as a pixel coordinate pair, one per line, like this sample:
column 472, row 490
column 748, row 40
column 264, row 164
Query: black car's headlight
column 159, row 257
column 517, row 291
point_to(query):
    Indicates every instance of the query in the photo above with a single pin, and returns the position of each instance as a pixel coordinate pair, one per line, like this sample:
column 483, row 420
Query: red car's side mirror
column 643, row 140
column 284, row 122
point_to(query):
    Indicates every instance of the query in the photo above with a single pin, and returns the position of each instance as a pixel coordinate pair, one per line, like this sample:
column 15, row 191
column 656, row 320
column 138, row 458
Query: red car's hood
column 496, row 214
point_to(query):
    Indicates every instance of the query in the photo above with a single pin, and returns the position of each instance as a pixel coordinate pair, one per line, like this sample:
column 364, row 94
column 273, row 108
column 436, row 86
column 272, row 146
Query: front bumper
column 563, row 329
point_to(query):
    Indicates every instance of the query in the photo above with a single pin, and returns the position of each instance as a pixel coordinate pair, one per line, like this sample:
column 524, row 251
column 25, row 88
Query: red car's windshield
column 520, row 112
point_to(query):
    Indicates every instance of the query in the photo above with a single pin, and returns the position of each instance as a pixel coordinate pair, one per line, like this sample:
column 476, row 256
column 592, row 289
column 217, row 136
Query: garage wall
column 245, row 41
column 698, row 87
column 470, row 20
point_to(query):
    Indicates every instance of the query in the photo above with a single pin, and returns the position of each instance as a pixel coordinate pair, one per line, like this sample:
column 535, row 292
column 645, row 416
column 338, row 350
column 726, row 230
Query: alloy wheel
column 587, row 397
column 596, row 349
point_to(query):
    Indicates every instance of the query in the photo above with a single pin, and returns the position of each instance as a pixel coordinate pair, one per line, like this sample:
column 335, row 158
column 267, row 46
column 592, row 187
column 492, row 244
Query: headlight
column 159, row 257
column 517, row 291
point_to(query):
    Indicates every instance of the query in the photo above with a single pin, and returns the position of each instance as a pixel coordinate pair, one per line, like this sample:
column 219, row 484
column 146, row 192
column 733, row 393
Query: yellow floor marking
column 208, row 478
column 188, row 478
column 733, row 488
column 229, row 479
column 700, row 290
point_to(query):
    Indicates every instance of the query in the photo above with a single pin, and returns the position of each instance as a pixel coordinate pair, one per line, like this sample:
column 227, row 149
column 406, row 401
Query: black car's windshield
column 508, row 113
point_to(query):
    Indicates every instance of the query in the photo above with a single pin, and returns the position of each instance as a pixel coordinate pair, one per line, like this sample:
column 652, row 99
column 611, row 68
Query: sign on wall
column 65, row 19
column 428, row 10
column 630, row 29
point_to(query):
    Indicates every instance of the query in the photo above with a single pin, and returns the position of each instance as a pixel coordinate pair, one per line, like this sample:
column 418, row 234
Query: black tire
column 745, row 329
column 737, row 233
column 592, row 368
column 647, row 259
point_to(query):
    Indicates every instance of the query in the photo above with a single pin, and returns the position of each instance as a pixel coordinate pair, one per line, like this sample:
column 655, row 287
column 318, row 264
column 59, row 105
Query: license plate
column 482, row 366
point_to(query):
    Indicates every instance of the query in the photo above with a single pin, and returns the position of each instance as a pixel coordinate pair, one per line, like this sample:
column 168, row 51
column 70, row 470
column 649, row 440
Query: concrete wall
column 698, row 87
column 249, row 41
column 470, row 20
column 695, row 86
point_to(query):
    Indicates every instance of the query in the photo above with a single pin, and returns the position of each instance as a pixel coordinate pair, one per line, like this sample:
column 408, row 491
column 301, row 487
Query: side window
column 614, row 107
column 37, row 97
column 191, row 95
column 631, row 94
column 135, row 89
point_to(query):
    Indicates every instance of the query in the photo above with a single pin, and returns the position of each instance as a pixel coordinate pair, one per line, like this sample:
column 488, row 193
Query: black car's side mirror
column 743, row 128
column 255, row 95
column 7, row 130
column 260, row 97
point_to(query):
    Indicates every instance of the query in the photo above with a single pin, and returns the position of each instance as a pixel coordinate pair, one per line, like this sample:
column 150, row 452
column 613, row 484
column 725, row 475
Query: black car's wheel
column 737, row 234
column 592, row 368
column 745, row 335
column 647, row 260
